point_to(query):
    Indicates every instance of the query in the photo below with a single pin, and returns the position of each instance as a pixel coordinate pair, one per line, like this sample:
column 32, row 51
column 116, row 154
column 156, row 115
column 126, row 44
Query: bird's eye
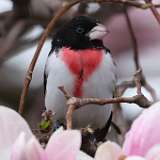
column 80, row 30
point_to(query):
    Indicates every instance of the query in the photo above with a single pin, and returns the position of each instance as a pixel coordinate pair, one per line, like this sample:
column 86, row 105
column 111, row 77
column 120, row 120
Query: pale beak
column 98, row 32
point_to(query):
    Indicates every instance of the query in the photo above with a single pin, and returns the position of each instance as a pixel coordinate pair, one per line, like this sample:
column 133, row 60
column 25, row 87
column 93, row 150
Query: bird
column 79, row 61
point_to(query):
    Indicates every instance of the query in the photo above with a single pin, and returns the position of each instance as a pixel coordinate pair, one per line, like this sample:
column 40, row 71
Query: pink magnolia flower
column 112, row 151
column 142, row 141
column 144, row 132
column 108, row 150
column 18, row 143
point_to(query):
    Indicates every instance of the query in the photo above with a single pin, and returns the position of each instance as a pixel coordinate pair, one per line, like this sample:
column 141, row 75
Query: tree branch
column 10, row 40
column 74, row 103
column 144, row 83
column 154, row 10
column 133, row 40
column 50, row 26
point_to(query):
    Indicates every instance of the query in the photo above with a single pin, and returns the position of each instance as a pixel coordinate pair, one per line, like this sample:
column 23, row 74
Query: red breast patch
column 82, row 63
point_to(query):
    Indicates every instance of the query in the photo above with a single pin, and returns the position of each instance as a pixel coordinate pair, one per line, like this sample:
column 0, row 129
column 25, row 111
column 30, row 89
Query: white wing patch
column 57, row 75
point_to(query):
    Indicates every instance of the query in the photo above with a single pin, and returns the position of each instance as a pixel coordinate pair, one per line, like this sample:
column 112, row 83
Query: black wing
column 44, row 82
column 100, row 134
column 107, row 50
column 45, row 74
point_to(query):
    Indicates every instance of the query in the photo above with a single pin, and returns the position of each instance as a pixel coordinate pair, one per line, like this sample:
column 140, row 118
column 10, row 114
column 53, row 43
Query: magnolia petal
column 83, row 156
column 135, row 158
column 144, row 132
column 58, row 131
column 34, row 151
column 108, row 150
column 18, row 150
column 12, row 124
column 153, row 153
column 5, row 154
column 64, row 145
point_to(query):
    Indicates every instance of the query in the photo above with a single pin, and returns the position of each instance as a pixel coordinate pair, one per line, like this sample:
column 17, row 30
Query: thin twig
column 71, row 109
column 66, row 94
column 122, row 87
column 130, row 3
column 138, row 99
column 149, row 88
column 10, row 40
column 154, row 10
column 133, row 39
column 50, row 26
column 137, row 79
column 143, row 80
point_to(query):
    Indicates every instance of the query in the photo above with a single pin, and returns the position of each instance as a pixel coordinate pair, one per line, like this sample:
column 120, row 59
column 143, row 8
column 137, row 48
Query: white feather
column 58, row 75
column 100, row 84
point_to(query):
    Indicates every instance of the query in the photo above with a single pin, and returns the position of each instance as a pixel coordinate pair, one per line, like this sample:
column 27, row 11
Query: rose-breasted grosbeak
column 80, row 62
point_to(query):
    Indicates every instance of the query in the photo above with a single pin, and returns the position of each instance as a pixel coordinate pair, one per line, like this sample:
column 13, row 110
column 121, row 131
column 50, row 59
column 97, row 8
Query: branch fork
column 74, row 103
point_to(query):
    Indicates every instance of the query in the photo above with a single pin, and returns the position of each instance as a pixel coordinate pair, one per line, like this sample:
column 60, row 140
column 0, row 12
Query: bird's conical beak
column 98, row 32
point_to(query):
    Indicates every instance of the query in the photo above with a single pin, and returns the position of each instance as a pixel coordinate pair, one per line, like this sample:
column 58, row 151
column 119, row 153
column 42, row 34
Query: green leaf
column 45, row 124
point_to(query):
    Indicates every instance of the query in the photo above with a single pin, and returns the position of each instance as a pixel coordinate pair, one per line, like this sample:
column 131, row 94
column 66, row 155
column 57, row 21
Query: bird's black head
column 80, row 33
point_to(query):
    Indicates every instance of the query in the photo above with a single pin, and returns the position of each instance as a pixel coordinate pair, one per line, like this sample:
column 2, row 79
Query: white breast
column 100, row 85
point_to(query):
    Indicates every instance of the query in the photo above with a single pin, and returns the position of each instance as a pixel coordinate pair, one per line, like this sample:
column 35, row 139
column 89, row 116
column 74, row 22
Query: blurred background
column 22, row 23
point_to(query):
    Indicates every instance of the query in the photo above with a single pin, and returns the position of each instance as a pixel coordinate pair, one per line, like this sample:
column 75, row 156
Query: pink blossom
column 108, row 150
column 18, row 143
column 144, row 132
column 153, row 153
column 112, row 151
column 142, row 141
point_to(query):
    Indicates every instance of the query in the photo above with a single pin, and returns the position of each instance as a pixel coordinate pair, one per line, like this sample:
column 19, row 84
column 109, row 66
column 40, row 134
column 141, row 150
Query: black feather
column 44, row 82
column 72, row 35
